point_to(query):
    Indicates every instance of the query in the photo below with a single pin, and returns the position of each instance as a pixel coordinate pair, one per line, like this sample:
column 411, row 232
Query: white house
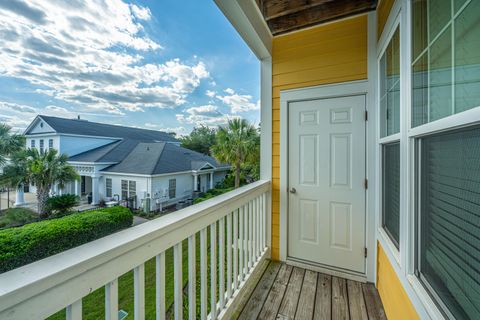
column 145, row 167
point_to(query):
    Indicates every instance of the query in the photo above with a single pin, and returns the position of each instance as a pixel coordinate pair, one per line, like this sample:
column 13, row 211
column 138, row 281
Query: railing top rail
column 149, row 239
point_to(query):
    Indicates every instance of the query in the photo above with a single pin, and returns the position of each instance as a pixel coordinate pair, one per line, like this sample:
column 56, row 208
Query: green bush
column 60, row 205
column 14, row 217
column 211, row 193
column 38, row 240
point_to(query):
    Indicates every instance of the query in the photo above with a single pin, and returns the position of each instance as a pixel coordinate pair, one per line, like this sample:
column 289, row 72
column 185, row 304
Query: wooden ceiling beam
column 320, row 13
column 279, row 8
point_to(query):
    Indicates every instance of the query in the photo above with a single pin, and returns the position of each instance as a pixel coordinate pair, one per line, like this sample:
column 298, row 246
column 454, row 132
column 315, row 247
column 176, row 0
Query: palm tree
column 9, row 142
column 236, row 144
column 42, row 169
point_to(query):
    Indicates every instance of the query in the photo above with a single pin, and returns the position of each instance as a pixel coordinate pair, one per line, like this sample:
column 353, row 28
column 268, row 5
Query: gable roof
column 88, row 128
column 160, row 158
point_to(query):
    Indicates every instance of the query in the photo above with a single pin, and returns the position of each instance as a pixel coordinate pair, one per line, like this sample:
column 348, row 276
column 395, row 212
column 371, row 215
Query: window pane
column 391, row 190
column 439, row 14
column 449, row 257
column 390, row 87
column 419, row 27
column 441, row 76
column 467, row 58
column 420, row 91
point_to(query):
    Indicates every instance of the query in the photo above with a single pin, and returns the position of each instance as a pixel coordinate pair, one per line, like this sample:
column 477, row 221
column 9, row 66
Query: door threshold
column 349, row 275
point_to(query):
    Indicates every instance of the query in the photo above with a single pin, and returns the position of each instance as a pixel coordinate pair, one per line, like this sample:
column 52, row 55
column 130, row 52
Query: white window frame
column 32, row 143
column 50, row 144
column 174, row 189
column 107, row 187
column 41, row 145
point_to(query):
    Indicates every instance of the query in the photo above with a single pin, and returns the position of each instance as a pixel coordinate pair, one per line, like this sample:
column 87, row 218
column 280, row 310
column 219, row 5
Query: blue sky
column 157, row 64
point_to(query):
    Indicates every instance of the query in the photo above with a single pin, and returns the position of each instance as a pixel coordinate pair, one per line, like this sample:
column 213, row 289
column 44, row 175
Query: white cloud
column 141, row 13
column 92, row 53
column 238, row 103
column 207, row 115
column 210, row 93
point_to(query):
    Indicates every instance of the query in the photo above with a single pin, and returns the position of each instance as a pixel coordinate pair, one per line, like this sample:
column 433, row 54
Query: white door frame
column 323, row 92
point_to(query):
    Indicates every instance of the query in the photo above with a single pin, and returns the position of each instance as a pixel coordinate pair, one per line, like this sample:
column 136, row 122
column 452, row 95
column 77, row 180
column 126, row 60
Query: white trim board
column 361, row 87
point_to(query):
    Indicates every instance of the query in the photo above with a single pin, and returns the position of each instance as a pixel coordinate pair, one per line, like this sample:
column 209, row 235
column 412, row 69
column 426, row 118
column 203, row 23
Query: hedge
column 38, row 240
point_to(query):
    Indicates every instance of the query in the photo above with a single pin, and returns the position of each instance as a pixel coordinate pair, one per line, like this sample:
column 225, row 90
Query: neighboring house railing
column 237, row 220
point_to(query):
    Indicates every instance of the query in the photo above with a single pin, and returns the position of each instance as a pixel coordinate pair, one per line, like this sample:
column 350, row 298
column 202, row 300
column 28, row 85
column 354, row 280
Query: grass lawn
column 94, row 303
column 14, row 217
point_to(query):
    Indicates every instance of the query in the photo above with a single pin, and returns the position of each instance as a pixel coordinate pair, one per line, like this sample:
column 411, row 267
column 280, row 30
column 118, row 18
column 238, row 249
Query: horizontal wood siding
column 395, row 301
column 383, row 11
column 330, row 53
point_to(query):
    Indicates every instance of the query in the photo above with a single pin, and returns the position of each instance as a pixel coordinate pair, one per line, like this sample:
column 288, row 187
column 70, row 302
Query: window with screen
column 449, row 220
column 132, row 189
column 390, row 136
column 108, row 187
column 32, row 143
column 50, row 143
column 172, row 188
column 446, row 58
column 124, row 189
column 41, row 146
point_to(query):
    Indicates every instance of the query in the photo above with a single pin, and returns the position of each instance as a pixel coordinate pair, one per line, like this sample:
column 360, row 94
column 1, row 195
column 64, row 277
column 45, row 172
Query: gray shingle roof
column 159, row 158
column 83, row 127
column 112, row 152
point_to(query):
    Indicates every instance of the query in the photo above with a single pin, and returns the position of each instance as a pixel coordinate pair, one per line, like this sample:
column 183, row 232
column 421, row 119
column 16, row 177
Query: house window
column 41, row 146
column 172, row 188
column 446, row 59
column 132, row 188
column 50, row 143
column 124, row 189
column 108, row 187
column 449, row 220
column 32, row 143
column 390, row 137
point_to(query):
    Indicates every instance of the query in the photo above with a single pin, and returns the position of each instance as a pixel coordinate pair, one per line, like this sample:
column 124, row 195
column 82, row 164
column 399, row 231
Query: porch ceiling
column 283, row 16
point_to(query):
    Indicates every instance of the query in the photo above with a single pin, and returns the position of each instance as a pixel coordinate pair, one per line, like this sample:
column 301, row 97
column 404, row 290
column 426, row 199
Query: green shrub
column 17, row 217
column 35, row 241
column 211, row 193
column 60, row 205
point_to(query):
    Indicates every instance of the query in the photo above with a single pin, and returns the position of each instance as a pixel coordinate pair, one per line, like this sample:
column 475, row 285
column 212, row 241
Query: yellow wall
column 330, row 53
column 394, row 298
column 383, row 10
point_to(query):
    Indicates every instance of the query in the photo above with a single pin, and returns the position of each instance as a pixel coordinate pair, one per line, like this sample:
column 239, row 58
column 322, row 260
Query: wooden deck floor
column 286, row 292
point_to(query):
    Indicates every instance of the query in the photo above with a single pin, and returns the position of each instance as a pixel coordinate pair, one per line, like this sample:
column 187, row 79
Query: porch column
column 195, row 182
column 211, row 180
column 19, row 197
column 95, row 190
column 77, row 187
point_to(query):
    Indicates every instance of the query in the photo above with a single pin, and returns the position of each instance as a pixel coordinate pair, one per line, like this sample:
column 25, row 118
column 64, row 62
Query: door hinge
column 365, row 252
column 366, row 183
column 366, row 115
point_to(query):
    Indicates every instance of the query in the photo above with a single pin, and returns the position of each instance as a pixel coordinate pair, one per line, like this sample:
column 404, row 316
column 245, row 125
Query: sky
column 156, row 64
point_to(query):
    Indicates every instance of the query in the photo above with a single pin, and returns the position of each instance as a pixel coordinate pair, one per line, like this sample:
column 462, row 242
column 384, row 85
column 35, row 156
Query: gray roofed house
column 121, row 163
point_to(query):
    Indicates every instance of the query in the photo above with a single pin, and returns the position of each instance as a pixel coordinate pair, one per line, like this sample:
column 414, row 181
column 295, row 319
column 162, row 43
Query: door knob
column 293, row 190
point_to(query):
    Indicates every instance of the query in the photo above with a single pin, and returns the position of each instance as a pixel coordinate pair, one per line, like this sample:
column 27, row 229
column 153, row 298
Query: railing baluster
column 203, row 274
column 264, row 221
column 160, row 286
column 259, row 228
column 192, row 278
column 178, row 283
column 221, row 265
column 241, row 243
column 235, row 249
column 74, row 311
column 111, row 300
column 250, row 235
column 245, row 242
column 139, row 292
column 213, row 270
column 229, row 256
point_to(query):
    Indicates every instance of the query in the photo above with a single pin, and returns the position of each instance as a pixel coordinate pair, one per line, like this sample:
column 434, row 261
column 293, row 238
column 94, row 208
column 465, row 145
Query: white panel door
column 326, row 213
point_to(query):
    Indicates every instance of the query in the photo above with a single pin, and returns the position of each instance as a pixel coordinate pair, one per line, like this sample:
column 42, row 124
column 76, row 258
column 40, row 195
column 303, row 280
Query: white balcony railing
column 236, row 221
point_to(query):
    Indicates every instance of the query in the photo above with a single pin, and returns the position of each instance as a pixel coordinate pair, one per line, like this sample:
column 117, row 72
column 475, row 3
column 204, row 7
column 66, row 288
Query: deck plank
column 290, row 300
column 373, row 303
column 323, row 300
column 356, row 303
column 256, row 301
column 339, row 299
column 274, row 299
column 306, row 302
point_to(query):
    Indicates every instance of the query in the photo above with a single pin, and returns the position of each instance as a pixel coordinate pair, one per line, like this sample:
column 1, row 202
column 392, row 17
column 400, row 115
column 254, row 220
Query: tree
column 237, row 144
column 9, row 142
column 201, row 139
column 42, row 169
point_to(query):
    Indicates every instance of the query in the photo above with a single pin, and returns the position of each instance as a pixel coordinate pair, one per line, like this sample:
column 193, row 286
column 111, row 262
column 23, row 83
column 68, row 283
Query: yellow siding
column 383, row 10
column 394, row 298
column 331, row 53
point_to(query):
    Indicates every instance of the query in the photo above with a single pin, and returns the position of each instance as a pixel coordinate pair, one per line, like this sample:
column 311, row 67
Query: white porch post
column 195, row 182
column 19, row 196
column 211, row 180
column 77, row 187
column 95, row 189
